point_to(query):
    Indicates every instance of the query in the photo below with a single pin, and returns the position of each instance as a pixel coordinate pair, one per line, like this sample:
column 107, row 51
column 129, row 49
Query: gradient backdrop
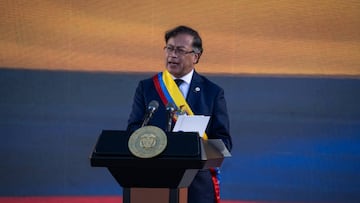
column 290, row 70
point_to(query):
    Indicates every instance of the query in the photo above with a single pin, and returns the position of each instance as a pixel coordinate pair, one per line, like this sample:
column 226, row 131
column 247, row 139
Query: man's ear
column 197, row 58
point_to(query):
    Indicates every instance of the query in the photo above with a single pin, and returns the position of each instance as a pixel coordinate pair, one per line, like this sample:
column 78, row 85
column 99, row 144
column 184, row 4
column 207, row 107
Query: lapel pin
column 197, row 89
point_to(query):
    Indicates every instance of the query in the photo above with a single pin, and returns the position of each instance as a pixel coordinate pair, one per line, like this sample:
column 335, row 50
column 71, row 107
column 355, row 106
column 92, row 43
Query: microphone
column 152, row 107
column 171, row 109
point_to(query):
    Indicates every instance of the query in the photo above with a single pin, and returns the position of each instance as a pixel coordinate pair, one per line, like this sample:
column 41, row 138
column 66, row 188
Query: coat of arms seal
column 147, row 142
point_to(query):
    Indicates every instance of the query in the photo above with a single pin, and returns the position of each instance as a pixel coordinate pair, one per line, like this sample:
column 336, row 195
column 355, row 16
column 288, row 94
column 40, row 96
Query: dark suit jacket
column 208, row 101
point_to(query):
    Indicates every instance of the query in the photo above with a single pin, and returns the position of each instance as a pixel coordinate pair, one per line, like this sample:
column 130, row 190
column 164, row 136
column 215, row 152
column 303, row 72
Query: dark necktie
column 178, row 82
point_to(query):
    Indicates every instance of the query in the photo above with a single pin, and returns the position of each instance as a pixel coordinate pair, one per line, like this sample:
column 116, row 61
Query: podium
column 160, row 179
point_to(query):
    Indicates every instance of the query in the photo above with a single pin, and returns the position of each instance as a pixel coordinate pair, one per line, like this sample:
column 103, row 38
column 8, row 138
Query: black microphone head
column 171, row 107
column 153, row 105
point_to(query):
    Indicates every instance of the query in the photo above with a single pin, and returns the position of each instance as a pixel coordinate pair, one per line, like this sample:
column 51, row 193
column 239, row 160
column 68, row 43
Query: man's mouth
column 172, row 63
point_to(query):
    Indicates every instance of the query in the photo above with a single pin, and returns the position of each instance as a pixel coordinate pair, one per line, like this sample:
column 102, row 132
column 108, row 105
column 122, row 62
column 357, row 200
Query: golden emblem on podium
column 147, row 142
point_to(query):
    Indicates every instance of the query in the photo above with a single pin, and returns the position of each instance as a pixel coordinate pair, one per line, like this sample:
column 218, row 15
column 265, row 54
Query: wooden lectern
column 161, row 179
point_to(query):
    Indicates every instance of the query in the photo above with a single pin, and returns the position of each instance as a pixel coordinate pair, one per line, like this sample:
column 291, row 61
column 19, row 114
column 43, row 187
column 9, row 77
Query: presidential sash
column 169, row 92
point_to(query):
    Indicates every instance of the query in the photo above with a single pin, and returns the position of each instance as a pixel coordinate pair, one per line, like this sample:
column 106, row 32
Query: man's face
column 176, row 63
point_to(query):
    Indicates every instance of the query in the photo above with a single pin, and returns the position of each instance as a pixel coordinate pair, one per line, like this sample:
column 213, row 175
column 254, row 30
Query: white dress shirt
column 184, row 87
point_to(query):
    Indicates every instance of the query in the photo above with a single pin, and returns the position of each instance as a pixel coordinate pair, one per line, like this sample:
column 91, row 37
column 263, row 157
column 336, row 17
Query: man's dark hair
column 197, row 42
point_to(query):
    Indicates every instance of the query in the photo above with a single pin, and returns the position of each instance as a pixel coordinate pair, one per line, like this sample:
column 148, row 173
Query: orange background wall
column 240, row 37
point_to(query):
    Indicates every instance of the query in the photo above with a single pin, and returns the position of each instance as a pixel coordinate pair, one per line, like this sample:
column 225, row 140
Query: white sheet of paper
column 195, row 123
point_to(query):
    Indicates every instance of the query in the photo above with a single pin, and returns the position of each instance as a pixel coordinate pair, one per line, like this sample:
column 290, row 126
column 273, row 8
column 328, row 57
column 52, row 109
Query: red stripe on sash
column 216, row 184
column 159, row 90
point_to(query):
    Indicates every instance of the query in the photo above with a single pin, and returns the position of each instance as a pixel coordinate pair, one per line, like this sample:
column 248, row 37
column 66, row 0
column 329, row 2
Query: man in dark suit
column 182, row 51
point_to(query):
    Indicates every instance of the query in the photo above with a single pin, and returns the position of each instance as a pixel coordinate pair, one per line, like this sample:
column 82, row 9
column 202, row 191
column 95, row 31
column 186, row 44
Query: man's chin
column 173, row 70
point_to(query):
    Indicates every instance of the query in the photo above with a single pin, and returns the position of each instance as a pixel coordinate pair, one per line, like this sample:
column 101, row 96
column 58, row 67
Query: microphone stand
column 170, row 116
column 147, row 118
column 170, row 108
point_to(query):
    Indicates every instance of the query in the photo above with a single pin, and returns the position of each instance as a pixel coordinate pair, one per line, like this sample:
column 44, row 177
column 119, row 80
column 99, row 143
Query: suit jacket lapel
column 193, row 97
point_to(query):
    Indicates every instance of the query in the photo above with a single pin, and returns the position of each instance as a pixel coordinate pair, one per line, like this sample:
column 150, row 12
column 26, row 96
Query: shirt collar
column 186, row 78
